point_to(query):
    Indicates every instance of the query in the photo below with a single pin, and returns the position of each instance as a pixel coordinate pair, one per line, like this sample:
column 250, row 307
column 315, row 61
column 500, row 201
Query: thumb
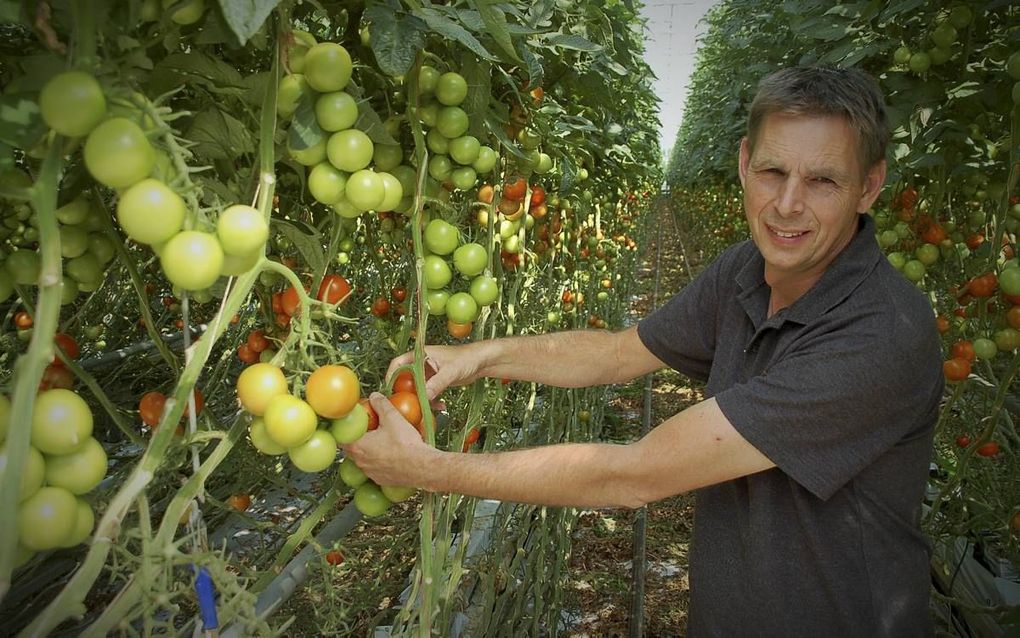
column 384, row 408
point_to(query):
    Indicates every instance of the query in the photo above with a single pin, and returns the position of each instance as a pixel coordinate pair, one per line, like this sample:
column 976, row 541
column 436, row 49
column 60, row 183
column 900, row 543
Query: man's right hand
column 445, row 366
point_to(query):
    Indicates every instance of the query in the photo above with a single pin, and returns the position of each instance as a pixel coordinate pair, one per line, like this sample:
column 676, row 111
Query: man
column 823, row 375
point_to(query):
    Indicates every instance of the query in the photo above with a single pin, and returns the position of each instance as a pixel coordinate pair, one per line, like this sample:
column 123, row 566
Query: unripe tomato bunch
column 119, row 155
column 470, row 260
column 64, row 463
column 346, row 169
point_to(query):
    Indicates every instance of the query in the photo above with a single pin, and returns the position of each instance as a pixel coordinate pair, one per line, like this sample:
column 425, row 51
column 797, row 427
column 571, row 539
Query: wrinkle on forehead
column 784, row 139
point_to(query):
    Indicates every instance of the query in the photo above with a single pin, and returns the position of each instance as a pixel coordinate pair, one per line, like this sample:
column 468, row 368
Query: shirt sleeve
column 682, row 332
column 828, row 411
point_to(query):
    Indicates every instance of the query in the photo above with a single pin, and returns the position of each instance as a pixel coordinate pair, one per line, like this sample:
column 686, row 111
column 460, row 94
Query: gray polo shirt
column 841, row 391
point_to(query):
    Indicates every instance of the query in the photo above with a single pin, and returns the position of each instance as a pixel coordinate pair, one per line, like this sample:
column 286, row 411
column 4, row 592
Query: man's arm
column 573, row 359
column 692, row 449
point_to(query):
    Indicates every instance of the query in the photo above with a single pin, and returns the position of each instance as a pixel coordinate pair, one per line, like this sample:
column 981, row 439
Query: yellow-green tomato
column 289, row 93
column 393, row 192
column 350, row 427
column 33, row 471
column 61, row 422
column 80, row 471
column 190, row 11
column 74, row 212
column 150, row 212
column 370, row 500
column 261, row 439
column 47, row 519
column 241, row 230
column 289, row 420
column 351, row 474
column 83, row 525
column 72, row 103
column 327, row 184
column 192, row 260
column 118, row 154
column 327, row 67
column 259, row 384
column 397, row 493
column 315, row 454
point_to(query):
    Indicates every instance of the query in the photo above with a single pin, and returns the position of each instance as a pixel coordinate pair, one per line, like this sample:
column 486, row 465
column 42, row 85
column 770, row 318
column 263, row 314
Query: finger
column 385, row 409
column 403, row 360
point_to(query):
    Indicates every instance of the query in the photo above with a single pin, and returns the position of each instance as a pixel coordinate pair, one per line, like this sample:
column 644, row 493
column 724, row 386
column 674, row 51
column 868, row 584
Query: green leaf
column 219, row 135
column 449, row 29
column 396, row 38
column 304, row 131
column 195, row 67
column 245, row 17
column 10, row 11
column 20, row 123
column 372, row 125
column 900, row 6
column 495, row 23
column 306, row 240
column 478, row 75
column 533, row 65
column 825, row 28
column 571, row 41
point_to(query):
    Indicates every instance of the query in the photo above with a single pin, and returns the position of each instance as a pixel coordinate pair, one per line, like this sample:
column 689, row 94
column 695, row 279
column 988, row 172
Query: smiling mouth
column 785, row 234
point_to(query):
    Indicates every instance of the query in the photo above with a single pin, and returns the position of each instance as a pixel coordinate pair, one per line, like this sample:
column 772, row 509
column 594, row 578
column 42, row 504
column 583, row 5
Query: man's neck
column 788, row 289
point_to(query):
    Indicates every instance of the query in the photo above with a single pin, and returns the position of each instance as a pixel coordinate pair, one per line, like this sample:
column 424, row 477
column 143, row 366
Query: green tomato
column 189, row 13
column 327, row 67
column 6, row 284
column 436, row 301
column 85, row 270
column 261, row 440
column 428, row 79
column 68, row 290
column 80, row 471
column 461, row 308
column 914, row 270
column 387, row 157
column 102, row 248
column 33, row 471
column 407, row 177
column 350, row 150
column 297, row 50
column 465, row 149
column 944, row 35
column 927, row 254
column 919, row 62
column 74, row 212
column 436, row 142
column 464, row 178
column 150, row 212
column 440, row 167
column 429, row 114
column 985, row 349
column 84, row 523
column 393, row 192
column 192, row 260
column 452, row 122
column 242, row 230
column 960, row 16
column 901, row 55
column 61, row 422
column 397, row 493
column 24, row 267
column 485, row 290
column 315, row 454
column 315, row 154
column 545, row 163
column 74, row 241
column 441, row 237
column 336, row 111
column 451, row 89
column 436, row 272
column 288, row 95
column 117, row 153
column 347, row 210
column 485, row 161
column 1009, row 281
column 898, row 260
column 366, row 190
column 1007, row 339
column 529, row 139
column 289, row 420
column 351, row 474
column 350, row 427
column 369, row 500
column 327, row 184
column 470, row 259
column 47, row 519
column 1013, row 66
column 72, row 103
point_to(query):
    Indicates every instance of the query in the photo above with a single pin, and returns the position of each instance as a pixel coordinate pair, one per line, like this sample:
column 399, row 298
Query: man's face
column 803, row 190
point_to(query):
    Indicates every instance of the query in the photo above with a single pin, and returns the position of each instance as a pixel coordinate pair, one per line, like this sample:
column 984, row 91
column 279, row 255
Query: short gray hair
column 848, row 93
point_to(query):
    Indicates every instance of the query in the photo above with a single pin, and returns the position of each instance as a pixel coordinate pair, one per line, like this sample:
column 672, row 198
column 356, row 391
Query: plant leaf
column 449, row 29
column 245, row 17
column 495, row 23
column 396, row 38
column 306, row 239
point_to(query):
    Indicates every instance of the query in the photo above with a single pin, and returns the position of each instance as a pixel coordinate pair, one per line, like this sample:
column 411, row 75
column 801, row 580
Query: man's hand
column 445, row 366
column 393, row 454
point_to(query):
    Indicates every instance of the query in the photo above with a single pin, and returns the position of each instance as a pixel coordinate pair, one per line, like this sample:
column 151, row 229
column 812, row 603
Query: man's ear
column 873, row 182
column 745, row 159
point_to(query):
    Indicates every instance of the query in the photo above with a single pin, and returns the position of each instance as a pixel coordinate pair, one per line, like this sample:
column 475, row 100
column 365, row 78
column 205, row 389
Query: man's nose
column 791, row 196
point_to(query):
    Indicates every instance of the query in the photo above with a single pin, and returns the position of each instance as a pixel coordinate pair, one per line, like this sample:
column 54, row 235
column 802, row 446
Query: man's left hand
column 394, row 453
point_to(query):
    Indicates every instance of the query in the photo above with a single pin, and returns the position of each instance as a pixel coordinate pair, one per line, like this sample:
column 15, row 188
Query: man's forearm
column 574, row 359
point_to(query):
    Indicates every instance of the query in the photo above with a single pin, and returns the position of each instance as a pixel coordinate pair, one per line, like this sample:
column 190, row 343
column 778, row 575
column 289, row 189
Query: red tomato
column 516, row 190
column 537, row 196
column 962, row 349
column 199, row 403
column 407, row 404
column 66, row 343
column 23, row 320
column 975, row 240
column 942, row 323
column 373, row 417
column 398, row 293
column 290, row 301
column 962, row 441
column 333, row 289
column 334, row 557
column 1013, row 317
column 956, row 369
column 983, row 286
column 151, row 407
column 246, row 354
column 239, row 502
column 470, row 439
column 56, row 376
column 989, row 449
column 404, row 382
column 257, row 341
column 282, row 319
column 381, row 307
column 277, row 300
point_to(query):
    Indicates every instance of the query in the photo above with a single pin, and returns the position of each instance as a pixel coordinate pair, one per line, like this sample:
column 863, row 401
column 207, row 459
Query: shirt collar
column 843, row 275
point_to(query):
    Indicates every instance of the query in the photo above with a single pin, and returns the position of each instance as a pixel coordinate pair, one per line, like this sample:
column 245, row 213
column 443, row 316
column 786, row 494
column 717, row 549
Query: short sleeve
column 682, row 332
column 830, row 409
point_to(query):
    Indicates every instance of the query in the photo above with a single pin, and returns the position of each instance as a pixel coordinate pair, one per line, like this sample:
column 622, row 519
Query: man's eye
column 824, row 180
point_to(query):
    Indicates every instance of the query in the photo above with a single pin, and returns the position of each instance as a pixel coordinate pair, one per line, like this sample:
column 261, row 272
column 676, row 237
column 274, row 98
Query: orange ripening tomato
column 459, row 330
column 989, row 449
column 373, row 416
column 150, row 407
column 942, row 323
column 956, row 369
column 257, row 341
column 246, row 354
column 290, row 301
column 470, row 439
column 199, row 403
column 23, row 320
column 333, row 391
column 404, row 382
column 407, row 404
column 485, row 193
column 239, row 502
column 56, row 375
